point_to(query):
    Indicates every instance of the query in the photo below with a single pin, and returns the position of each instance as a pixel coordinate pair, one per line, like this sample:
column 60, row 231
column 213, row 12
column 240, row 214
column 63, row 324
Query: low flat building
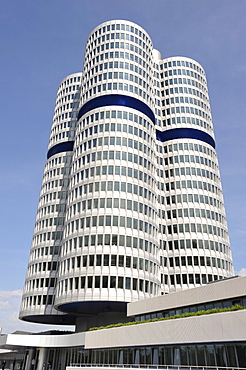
column 197, row 338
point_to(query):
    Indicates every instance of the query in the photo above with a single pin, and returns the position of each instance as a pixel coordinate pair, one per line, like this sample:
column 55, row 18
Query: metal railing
column 148, row 366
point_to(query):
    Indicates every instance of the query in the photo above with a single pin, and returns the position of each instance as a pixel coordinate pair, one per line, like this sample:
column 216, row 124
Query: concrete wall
column 219, row 327
column 221, row 290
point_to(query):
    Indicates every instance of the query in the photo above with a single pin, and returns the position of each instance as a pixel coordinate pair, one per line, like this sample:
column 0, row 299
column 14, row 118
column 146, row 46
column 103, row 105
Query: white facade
column 131, row 205
column 214, row 339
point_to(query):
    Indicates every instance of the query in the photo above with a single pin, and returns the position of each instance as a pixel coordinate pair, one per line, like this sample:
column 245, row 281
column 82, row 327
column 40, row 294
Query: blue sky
column 43, row 41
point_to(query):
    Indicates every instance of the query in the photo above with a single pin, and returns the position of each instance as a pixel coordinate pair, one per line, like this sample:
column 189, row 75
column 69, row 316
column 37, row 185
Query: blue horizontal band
column 67, row 146
column 185, row 133
column 115, row 99
column 177, row 133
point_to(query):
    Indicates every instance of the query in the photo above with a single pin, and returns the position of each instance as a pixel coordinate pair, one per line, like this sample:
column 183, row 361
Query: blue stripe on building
column 120, row 100
column 67, row 146
column 177, row 133
column 185, row 133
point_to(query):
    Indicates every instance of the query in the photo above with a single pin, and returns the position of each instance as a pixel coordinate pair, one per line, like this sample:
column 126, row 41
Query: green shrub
column 187, row 314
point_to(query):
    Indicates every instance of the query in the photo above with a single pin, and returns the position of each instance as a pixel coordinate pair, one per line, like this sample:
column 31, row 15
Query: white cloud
column 10, row 294
column 242, row 272
column 4, row 305
column 9, row 315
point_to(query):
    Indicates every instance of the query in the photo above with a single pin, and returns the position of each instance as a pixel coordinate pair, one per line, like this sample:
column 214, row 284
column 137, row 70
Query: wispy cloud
column 9, row 315
column 4, row 294
column 4, row 306
column 242, row 272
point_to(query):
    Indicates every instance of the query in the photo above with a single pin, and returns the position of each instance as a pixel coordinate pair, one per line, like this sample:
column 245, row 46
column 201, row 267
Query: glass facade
column 131, row 203
column 219, row 355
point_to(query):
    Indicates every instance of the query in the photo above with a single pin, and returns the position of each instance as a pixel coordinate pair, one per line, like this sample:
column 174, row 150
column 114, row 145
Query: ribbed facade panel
column 131, row 204
column 41, row 279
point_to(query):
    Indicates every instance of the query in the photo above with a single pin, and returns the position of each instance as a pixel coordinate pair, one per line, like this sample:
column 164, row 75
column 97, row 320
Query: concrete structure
column 130, row 217
column 131, row 204
column 214, row 340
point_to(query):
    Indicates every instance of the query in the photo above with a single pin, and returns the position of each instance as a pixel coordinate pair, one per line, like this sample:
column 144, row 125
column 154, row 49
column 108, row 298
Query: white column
column 42, row 359
column 30, row 357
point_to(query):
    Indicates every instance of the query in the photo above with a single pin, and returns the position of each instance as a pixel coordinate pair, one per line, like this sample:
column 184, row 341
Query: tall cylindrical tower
column 42, row 272
column 197, row 250
column 110, row 248
column 131, row 203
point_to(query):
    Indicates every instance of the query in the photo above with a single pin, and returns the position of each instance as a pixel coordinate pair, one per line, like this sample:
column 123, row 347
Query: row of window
column 62, row 135
column 116, row 65
column 183, row 81
column 188, row 184
column 66, row 99
column 185, row 72
column 119, row 282
column 61, row 170
column 184, row 99
column 99, row 50
column 115, row 126
column 111, row 154
column 194, row 261
column 58, row 171
column 112, row 170
column 181, row 63
column 61, row 117
column 68, row 106
column 61, row 126
column 67, row 133
column 108, row 239
column 63, row 91
column 192, row 212
column 200, row 307
column 119, row 55
column 42, row 266
column 117, row 75
column 193, row 228
column 194, row 243
column 121, row 141
column 46, row 210
column 184, row 90
column 69, row 81
column 40, row 283
column 75, row 243
column 187, row 279
column 229, row 355
column 55, row 184
column 118, row 26
column 128, row 222
column 186, row 120
column 114, row 186
column 190, row 159
column 93, row 55
column 43, row 237
column 118, row 87
column 96, row 203
column 53, row 162
column 192, row 198
column 121, row 221
column 64, row 107
column 186, row 146
column 187, row 110
column 114, row 260
column 133, row 158
column 133, row 206
column 44, row 251
column 182, row 171
column 116, row 36
column 38, row 300
column 140, row 225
